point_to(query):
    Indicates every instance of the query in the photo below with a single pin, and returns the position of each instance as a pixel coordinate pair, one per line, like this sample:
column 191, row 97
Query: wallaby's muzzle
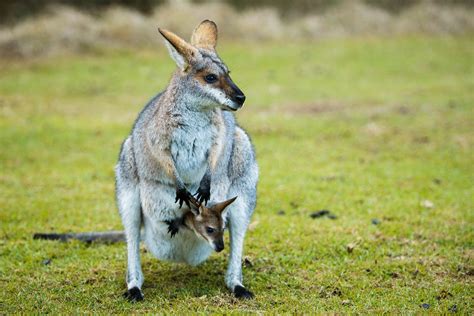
column 219, row 245
column 236, row 94
column 240, row 99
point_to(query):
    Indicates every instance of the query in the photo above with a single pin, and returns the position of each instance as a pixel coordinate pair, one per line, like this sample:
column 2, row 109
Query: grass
column 367, row 128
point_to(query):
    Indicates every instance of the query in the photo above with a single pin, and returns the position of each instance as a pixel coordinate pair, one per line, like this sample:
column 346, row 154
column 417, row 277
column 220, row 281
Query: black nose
column 219, row 246
column 240, row 98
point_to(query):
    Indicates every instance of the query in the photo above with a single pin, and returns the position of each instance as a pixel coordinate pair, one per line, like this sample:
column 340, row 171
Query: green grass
column 366, row 128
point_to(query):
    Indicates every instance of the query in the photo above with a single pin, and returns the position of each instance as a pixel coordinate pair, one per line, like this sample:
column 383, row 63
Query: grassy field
column 376, row 131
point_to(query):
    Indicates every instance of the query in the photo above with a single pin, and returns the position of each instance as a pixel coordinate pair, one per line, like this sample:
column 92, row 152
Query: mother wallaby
column 186, row 139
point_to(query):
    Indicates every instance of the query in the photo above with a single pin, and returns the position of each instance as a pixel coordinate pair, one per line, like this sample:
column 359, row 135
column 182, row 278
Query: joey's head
column 202, row 74
column 208, row 222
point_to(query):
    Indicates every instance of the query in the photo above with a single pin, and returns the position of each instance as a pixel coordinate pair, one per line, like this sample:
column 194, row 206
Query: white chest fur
column 190, row 150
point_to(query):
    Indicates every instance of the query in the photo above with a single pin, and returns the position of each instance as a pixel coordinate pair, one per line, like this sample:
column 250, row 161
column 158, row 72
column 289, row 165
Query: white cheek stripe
column 218, row 96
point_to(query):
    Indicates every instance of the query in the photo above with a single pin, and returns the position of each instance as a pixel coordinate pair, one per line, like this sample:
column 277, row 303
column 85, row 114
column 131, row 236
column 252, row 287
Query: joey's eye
column 210, row 230
column 211, row 78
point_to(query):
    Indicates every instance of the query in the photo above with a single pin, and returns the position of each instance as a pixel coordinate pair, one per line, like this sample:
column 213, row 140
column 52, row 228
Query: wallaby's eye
column 210, row 230
column 210, row 78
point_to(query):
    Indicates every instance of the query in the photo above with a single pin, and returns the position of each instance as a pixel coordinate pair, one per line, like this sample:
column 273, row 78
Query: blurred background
column 31, row 28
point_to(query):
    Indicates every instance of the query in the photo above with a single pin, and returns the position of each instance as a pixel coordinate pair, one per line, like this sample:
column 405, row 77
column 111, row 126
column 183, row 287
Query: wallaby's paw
column 183, row 195
column 173, row 227
column 133, row 295
column 243, row 293
column 203, row 194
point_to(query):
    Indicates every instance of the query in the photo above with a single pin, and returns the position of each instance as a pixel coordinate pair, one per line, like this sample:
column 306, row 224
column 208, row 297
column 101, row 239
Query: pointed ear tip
column 230, row 201
column 162, row 31
column 165, row 33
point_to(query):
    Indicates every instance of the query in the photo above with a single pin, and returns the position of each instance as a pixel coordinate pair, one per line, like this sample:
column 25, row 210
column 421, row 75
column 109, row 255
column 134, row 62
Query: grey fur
column 186, row 126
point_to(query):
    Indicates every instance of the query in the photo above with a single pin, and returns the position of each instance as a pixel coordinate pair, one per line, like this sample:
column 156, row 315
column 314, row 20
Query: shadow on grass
column 172, row 280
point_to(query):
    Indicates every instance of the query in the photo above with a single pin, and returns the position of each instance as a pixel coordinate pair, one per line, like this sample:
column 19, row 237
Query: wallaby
column 186, row 139
column 206, row 222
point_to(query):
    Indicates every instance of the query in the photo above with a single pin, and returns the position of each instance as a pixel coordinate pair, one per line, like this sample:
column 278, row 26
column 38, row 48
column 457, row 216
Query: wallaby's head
column 201, row 73
column 208, row 222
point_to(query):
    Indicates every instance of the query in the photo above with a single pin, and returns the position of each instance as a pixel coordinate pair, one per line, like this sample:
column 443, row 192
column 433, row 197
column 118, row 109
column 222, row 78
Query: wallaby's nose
column 240, row 98
column 237, row 95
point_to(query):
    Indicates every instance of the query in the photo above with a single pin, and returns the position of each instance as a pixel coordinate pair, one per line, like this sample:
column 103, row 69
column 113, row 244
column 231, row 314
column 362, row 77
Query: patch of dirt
column 313, row 108
column 329, row 291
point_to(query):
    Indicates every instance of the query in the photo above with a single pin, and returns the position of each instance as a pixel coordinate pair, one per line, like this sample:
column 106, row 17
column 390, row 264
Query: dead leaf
column 374, row 129
column 253, row 225
column 350, row 247
column 427, row 204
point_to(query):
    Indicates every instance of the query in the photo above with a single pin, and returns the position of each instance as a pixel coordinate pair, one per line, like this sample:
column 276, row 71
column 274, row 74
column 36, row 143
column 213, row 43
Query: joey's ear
column 205, row 35
column 220, row 207
column 195, row 206
column 182, row 52
column 194, row 210
column 198, row 210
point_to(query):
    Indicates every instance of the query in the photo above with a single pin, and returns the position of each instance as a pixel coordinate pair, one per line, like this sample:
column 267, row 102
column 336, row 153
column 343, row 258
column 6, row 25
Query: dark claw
column 173, row 231
column 183, row 195
column 202, row 197
column 243, row 293
column 203, row 194
column 133, row 295
column 173, row 227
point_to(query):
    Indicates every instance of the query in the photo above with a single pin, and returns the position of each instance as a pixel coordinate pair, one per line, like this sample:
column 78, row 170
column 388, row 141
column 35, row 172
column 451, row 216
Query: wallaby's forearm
column 160, row 149
column 102, row 237
column 203, row 193
column 168, row 165
column 165, row 160
column 213, row 157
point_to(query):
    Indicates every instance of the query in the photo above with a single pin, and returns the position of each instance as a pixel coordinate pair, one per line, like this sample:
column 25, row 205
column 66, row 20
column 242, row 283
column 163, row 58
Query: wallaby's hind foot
column 133, row 295
column 243, row 293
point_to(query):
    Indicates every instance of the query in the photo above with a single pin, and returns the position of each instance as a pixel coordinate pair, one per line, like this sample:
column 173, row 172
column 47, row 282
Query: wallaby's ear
column 195, row 206
column 220, row 207
column 205, row 35
column 182, row 52
column 194, row 210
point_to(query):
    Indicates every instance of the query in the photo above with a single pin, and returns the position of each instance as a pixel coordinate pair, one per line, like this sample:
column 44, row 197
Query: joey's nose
column 240, row 98
column 219, row 246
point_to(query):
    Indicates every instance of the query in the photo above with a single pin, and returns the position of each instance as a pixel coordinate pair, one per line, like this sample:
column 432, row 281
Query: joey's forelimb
column 174, row 226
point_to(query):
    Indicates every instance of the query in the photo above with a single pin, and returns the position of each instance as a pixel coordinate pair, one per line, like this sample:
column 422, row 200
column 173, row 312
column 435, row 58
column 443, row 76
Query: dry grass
column 62, row 29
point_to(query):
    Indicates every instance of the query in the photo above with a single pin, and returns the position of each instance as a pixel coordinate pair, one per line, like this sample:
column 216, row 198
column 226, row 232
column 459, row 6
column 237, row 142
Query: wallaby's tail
column 102, row 237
